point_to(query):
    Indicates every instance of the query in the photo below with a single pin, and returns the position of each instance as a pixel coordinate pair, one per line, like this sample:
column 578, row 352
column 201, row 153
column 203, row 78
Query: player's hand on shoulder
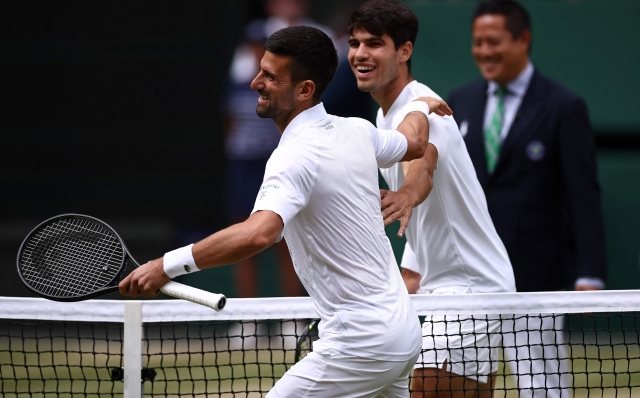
column 396, row 206
column 437, row 106
column 145, row 280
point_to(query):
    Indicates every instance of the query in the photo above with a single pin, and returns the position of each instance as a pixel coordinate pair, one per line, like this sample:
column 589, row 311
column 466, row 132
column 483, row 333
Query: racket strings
column 48, row 250
column 68, row 274
column 83, row 279
column 69, row 279
column 71, row 257
column 71, row 276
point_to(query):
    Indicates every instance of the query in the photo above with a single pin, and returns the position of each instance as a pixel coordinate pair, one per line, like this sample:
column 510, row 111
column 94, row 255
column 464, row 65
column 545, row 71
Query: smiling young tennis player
column 452, row 245
column 320, row 192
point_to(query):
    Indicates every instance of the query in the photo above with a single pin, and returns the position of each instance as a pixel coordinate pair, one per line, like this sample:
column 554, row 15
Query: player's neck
column 387, row 95
column 283, row 122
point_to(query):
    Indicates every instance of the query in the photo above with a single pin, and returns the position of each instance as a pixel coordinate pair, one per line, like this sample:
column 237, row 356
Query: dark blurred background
column 113, row 109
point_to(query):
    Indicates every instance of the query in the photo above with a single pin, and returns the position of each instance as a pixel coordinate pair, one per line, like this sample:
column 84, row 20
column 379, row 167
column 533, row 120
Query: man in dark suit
column 532, row 146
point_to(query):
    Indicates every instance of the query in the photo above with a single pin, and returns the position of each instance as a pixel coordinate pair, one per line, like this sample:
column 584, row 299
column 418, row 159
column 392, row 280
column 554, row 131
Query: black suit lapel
column 531, row 105
column 475, row 134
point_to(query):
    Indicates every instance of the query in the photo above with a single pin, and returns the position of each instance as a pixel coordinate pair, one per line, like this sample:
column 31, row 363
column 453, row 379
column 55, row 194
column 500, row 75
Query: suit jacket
column 543, row 195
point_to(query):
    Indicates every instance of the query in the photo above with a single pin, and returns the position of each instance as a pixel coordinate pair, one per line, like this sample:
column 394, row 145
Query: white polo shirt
column 323, row 181
column 454, row 243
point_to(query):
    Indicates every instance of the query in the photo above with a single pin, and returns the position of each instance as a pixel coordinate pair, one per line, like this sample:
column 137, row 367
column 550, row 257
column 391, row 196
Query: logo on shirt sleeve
column 267, row 187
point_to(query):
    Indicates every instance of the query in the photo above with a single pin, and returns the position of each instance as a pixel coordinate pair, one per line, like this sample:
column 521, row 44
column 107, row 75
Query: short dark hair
column 313, row 54
column 516, row 16
column 386, row 16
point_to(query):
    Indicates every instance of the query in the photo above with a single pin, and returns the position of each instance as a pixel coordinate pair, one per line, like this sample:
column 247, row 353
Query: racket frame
column 304, row 344
column 108, row 288
column 174, row 289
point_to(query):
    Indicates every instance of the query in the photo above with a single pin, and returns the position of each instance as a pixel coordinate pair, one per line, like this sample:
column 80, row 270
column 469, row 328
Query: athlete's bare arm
column 411, row 280
column 415, row 127
column 418, row 182
column 230, row 245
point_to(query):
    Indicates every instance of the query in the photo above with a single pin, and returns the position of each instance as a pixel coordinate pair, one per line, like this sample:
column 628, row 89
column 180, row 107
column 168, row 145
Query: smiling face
column 376, row 63
column 499, row 56
column 277, row 92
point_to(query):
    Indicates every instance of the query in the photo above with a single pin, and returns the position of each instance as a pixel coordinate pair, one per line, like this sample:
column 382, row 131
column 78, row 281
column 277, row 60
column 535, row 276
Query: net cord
column 303, row 308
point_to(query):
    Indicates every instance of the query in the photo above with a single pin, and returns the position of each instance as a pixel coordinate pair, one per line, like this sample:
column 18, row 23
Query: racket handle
column 208, row 299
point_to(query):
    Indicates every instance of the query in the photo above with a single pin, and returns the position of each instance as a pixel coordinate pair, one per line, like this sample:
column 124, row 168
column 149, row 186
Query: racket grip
column 198, row 296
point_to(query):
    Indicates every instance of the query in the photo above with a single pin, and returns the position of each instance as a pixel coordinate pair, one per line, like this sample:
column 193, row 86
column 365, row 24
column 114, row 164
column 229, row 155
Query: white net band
column 302, row 307
column 553, row 345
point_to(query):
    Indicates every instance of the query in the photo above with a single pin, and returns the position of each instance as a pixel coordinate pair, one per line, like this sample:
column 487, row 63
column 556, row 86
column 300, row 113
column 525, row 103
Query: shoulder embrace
column 422, row 90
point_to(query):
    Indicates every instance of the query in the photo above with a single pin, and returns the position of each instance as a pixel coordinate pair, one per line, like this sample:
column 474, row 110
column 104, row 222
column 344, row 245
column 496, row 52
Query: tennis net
column 588, row 343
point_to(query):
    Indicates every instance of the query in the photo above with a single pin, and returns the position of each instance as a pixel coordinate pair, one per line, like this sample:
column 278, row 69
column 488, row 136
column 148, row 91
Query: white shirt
column 323, row 181
column 516, row 90
column 451, row 233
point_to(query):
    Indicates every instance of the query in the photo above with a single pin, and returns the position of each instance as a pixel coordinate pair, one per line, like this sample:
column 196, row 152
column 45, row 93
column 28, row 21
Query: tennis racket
column 304, row 344
column 73, row 257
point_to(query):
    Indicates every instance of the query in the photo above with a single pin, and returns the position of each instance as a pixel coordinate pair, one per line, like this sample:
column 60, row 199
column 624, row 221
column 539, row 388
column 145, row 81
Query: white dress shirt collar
column 304, row 119
column 517, row 86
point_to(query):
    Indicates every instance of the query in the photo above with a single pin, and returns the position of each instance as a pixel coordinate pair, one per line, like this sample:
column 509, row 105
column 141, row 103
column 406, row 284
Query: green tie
column 493, row 132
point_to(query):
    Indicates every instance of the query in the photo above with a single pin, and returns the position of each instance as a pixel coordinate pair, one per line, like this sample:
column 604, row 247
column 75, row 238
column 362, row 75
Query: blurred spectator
column 250, row 140
column 283, row 13
column 532, row 146
column 279, row 14
column 342, row 97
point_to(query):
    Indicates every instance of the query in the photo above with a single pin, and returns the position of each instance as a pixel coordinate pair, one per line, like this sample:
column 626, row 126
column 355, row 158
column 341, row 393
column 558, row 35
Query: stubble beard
column 271, row 112
column 364, row 88
column 274, row 110
column 268, row 112
column 370, row 86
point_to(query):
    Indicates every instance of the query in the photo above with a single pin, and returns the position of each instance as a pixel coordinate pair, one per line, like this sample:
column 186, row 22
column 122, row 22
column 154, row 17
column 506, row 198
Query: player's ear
column 405, row 51
column 305, row 90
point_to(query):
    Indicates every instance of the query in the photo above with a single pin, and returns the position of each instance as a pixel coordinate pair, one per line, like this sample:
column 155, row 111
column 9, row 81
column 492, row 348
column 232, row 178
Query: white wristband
column 590, row 281
column 417, row 106
column 179, row 262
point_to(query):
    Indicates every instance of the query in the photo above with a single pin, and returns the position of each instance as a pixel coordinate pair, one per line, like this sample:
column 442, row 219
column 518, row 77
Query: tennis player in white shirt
column 452, row 245
column 320, row 192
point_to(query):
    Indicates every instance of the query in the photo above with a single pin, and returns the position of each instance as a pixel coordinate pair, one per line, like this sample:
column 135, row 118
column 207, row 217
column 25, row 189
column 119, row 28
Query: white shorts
column 470, row 345
column 326, row 372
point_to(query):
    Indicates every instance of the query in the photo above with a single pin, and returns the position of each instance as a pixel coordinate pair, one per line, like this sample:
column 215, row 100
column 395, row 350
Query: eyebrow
column 367, row 39
column 266, row 72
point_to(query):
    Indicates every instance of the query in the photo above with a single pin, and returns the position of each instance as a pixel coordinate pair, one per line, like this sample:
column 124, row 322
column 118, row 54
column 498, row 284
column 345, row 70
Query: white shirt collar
column 517, row 86
column 403, row 99
column 304, row 119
